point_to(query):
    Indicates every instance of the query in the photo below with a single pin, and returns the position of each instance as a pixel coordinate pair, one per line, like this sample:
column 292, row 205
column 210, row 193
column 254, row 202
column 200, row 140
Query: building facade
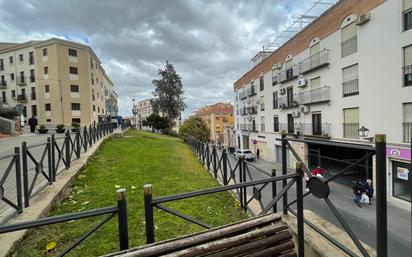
column 219, row 119
column 143, row 109
column 351, row 68
column 58, row 81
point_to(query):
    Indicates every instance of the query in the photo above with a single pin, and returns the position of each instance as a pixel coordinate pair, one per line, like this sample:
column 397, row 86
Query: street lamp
column 134, row 111
column 363, row 132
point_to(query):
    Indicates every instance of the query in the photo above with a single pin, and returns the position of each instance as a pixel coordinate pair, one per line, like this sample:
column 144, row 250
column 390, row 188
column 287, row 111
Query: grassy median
column 130, row 161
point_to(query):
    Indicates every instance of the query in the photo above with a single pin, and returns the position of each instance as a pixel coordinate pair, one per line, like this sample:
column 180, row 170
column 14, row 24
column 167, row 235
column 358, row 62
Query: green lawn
column 131, row 161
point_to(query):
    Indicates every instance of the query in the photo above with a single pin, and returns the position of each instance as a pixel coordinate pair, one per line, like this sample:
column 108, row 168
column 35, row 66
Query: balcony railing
column 407, row 76
column 251, row 91
column 317, row 60
column 349, row 46
column 288, row 127
column 351, row 130
column 350, row 87
column 314, row 96
column 21, row 81
column 21, row 98
column 289, row 74
column 310, row 129
column 243, row 94
column 243, row 111
column 3, row 84
column 252, row 110
column 288, row 102
column 407, row 127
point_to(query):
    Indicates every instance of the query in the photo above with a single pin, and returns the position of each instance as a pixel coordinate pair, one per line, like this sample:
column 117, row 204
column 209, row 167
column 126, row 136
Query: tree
column 194, row 127
column 168, row 93
column 156, row 122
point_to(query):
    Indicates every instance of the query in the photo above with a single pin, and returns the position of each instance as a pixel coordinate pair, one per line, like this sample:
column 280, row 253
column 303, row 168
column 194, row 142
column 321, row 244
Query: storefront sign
column 400, row 153
column 402, row 173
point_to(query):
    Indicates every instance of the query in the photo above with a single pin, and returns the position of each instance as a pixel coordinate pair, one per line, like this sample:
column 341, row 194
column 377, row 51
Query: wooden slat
column 255, row 245
column 273, row 251
column 230, row 241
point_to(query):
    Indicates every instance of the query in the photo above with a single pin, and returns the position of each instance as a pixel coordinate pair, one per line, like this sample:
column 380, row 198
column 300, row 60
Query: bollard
column 224, row 162
column 284, row 171
column 25, row 174
column 122, row 219
column 275, row 206
column 381, row 201
column 299, row 210
column 67, row 144
column 148, row 209
column 18, row 180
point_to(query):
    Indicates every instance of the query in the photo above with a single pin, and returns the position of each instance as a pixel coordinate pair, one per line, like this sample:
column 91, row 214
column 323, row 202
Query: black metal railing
column 288, row 101
column 310, row 129
column 407, row 131
column 317, row 60
column 243, row 94
column 251, row 91
column 243, row 111
column 120, row 209
column 21, row 80
column 407, row 75
column 349, row 46
column 21, row 98
column 289, row 73
column 317, row 95
column 351, row 130
column 252, row 110
column 350, row 87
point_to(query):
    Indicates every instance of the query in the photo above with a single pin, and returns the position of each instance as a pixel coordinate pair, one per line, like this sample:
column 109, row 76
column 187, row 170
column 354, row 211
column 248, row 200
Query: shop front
column 399, row 160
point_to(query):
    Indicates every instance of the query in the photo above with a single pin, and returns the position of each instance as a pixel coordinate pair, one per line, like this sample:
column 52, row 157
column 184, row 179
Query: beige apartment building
column 58, row 81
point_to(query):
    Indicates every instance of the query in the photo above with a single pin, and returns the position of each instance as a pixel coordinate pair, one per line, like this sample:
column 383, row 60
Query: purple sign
column 400, row 153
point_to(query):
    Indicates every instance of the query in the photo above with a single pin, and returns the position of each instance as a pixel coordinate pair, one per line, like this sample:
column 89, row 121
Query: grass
column 131, row 161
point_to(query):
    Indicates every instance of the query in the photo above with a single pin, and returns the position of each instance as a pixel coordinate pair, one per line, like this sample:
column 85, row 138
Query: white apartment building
column 143, row 109
column 348, row 69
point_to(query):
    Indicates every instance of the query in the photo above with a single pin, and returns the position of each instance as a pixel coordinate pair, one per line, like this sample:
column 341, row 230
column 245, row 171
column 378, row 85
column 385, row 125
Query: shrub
column 170, row 132
column 60, row 126
column 42, row 127
column 8, row 113
column 76, row 125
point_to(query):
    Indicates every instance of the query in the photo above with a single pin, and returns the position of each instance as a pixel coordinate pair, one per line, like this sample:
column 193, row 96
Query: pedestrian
column 316, row 172
column 33, row 123
column 358, row 190
column 369, row 190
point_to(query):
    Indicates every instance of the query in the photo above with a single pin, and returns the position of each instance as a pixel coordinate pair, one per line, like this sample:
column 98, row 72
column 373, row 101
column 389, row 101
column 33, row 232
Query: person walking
column 358, row 190
column 369, row 190
column 316, row 172
column 33, row 124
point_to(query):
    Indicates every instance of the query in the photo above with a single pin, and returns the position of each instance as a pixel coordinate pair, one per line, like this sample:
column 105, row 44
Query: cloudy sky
column 209, row 42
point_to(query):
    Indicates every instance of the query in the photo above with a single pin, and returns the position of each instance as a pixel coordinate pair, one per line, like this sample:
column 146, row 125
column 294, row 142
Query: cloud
column 209, row 42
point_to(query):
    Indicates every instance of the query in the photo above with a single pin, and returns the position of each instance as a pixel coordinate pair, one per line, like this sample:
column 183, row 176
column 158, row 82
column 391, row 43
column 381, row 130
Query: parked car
column 246, row 153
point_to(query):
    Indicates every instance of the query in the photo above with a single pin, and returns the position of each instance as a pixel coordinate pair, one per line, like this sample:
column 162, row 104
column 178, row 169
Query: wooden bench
column 266, row 235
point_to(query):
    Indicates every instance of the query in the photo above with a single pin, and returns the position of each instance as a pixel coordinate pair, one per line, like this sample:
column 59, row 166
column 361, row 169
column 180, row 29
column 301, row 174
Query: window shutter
column 349, row 31
column 351, row 115
column 315, row 83
column 407, row 4
column 350, row 73
column 315, row 48
column 407, row 112
column 408, row 55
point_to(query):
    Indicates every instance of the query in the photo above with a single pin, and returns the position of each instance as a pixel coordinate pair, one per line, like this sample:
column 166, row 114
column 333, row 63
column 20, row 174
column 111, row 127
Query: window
column 12, row 76
column 13, row 93
column 262, row 123
column 3, row 95
column 275, row 100
column 93, row 95
column 34, row 110
column 11, row 60
column 48, row 120
column 2, row 78
column 261, row 83
column 407, row 122
column 276, row 124
column 75, row 107
column 98, row 109
column 31, row 58
column 46, row 70
column 91, row 63
column 44, row 51
column 74, row 88
column 76, row 120
column 94, row 108
column 349, row 43
column 314, row 55
column 22, row 79
column 46, row 88
column 351, row 123
column 315, row 83
column 72, row 52
column 262, row 103
column 47, row 107
column 1, row 65
column 73, row 70
column 32, row 77
column 92, row 78
column 21, row 59
column 350, row 83
column 289, row 96
column 289, row 69
column 407, row 68
column 33, row 93
column 407, row 14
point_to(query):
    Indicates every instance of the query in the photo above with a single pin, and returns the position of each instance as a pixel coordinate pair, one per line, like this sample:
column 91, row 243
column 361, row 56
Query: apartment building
column 348, row 71
column 219, row 119
column 143, row 109
column 58, row 81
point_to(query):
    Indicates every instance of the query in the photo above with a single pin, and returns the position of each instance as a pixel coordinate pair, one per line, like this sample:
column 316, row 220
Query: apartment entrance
column 291, row 124
column 317, row 124
column 400, row 179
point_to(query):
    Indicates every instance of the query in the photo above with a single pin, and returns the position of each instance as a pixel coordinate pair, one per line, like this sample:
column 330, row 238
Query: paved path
column 361, row 220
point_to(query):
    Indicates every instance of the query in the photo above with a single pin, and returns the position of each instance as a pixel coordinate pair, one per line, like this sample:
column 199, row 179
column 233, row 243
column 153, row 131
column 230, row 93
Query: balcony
column 288, row 127
column 351, row 130
column 311, row 129
column 243, row 94
column 288, row 101
column 21, row 81
column 243, row 111
column 251, row 91
column 350, row 87
column 318, row 60
column 407, row 134
column 252, row 110
column 21, row 98
column 3, row 84
column 407, row 76
column 313, row 96
column 349, row 46
column 248, row 127
column 289, row 74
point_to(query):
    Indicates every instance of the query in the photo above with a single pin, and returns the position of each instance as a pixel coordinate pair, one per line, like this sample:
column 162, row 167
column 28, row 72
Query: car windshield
column 247, row 151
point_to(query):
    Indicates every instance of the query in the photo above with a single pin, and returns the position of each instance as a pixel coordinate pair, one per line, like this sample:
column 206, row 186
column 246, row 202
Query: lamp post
column 134, row 111
column 363, row 132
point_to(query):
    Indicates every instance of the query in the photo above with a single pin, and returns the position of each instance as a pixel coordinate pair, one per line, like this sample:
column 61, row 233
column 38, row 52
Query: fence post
column 53, row 152
column 18, row 179
column 241, row 180
column 25, row 174
column 67, row 144
column 78, row 144
column 274, row 191
column 148, row 209
column 284, row 171
column 94, row 132
column 214, row 154
column 90, row 135
column 85, row 138
column 299, row 209
column 381, row 201
column 49, row 160
column 243, row 171
column 410, row 177
column 207, row 156
column 122, row 219
column 224, row 160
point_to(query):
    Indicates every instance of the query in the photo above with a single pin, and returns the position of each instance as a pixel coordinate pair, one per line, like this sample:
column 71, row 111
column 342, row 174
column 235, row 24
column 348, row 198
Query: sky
column 209, row 42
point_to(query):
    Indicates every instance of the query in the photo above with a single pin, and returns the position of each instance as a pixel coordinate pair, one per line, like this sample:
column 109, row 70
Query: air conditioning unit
column 304, row 109
column 282, row 91
column 295, row 114
column 363, row 19
column 302, row 82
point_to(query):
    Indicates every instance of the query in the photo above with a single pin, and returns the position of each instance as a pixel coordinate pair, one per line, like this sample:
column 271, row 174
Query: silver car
column 245, row 153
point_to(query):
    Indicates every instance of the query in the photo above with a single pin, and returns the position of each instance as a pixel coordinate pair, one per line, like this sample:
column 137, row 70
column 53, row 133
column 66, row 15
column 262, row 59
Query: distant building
column 218, row 117
column 58, row 81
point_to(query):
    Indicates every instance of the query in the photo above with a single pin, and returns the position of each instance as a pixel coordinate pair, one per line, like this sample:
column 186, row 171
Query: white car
column 245, row 153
